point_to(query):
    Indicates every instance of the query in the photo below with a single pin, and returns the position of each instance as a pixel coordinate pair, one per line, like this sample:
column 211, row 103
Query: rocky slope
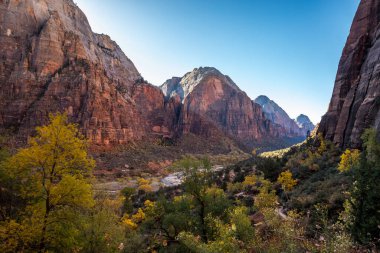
column 355, row 102
column 278, row 116
column 52, row 61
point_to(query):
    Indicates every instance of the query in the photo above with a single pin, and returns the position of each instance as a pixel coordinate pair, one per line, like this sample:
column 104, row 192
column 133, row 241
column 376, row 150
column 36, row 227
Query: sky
column 286, row 50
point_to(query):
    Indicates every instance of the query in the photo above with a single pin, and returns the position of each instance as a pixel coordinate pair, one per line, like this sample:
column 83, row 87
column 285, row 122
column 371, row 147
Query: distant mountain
column 305, row 123
column 212, row 100
column 355, row 102
column 278, row 116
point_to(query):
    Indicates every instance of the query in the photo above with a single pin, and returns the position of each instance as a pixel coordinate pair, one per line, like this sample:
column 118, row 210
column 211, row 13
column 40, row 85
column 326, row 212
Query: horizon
column 244, row 41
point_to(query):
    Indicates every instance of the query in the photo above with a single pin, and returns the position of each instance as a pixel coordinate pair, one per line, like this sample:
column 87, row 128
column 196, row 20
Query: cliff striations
column 52, row 61
column 355, row 102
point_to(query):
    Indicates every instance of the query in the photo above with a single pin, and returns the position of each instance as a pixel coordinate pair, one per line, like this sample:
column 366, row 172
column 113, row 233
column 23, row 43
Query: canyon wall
column 355, row 102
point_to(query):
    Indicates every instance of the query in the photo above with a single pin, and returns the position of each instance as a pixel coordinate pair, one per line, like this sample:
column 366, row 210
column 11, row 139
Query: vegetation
column 349, row 159
column 365, row 198
column 205, row 218
column 286, row 180
column 312, row 198
column 46, row 192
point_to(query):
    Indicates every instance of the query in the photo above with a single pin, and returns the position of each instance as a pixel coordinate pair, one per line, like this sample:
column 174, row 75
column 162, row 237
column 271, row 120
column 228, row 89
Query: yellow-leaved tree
column 54, row 172
column 349, row 159
column 286, row 180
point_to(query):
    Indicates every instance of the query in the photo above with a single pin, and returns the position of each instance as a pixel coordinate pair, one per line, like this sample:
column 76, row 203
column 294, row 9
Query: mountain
column 212, row 101
column 52, row 61
column 305, row 124
column 278, row 116
column 185, row 85
column 355, row 102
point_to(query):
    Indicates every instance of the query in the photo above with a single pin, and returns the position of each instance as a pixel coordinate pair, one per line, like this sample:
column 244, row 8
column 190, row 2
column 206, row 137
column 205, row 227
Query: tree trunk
column 42, row 245
column 204, row 231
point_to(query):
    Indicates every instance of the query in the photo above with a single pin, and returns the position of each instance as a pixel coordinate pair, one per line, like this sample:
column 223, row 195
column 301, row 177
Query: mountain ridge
column 278, row 116
column 54, row 62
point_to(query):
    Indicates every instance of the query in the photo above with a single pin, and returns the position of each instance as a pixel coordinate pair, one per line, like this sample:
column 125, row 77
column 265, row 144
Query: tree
column 198, row 177
column 365, row 194
column 349, row 159
column 144, row 185
column 7, row 197
column 233, row 235
column 250, row 180
column 286, row 180
column 193, row 210
column 102, row 231
column 53, row 171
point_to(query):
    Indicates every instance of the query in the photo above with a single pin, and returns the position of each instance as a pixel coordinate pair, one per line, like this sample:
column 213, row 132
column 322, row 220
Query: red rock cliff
column 52, row 61
column 355, row 102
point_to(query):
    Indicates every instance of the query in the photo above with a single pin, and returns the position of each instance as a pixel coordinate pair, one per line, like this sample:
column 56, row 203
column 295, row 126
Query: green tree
column 233, row 235
column 365, row 202
column 53, row 172
column 101, row 231
column 193, row 212
column 198, row 177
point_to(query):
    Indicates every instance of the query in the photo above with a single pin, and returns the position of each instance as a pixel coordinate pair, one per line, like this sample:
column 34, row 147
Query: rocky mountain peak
column 270, row 107
column 185, row 85
column 263, row 100
column 305, row 123
column 302, row 119
column 278, row 116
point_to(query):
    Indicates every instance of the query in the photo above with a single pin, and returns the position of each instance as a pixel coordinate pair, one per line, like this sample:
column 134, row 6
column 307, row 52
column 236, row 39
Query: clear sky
column 287, row 50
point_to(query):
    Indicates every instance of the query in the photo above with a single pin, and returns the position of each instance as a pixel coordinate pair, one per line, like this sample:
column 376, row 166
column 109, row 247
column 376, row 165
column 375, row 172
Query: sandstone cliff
column 355, row 102
column 52, row 61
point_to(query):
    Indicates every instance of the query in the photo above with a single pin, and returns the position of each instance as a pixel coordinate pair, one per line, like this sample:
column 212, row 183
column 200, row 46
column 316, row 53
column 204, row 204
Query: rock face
column 52, row 61
column 355, row 102
column 278, row 116
column 305, row 124
column 213, row 102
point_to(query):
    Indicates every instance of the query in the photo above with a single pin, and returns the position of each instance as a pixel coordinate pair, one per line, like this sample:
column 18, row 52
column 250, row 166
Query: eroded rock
column 355, row 102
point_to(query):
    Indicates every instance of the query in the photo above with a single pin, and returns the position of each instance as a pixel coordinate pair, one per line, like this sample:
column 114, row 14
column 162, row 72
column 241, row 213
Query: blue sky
column 287, row 50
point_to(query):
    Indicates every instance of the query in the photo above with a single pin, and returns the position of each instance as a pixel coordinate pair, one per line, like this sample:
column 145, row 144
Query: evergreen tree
column 365, row 202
